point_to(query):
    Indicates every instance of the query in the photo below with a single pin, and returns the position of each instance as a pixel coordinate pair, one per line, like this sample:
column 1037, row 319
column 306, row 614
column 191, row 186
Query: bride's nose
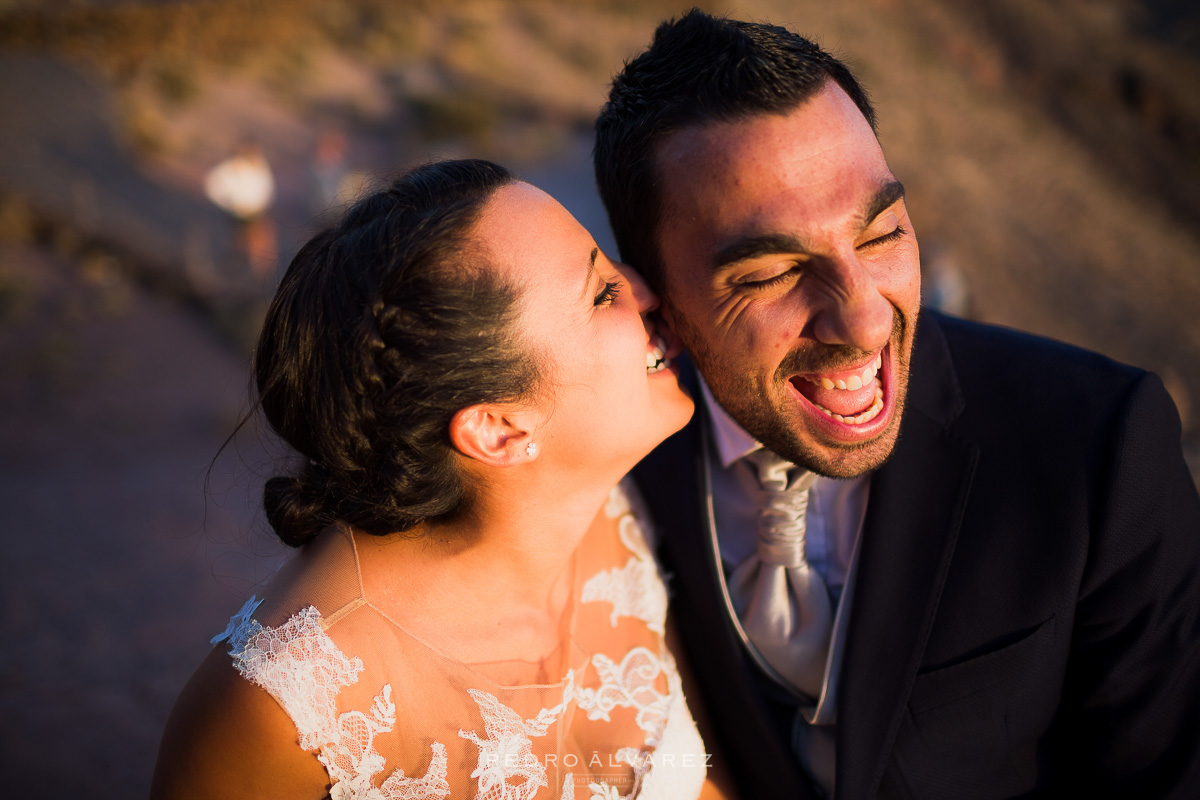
column 643, row 296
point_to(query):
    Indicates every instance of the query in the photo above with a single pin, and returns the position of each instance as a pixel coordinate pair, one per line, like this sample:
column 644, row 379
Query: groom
column 913, row 556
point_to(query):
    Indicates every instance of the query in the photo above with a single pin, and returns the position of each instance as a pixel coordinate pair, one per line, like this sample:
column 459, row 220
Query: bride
column 474, row 610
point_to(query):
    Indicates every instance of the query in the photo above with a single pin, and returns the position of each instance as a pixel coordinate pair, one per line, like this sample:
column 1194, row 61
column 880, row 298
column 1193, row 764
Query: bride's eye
column 608, row 293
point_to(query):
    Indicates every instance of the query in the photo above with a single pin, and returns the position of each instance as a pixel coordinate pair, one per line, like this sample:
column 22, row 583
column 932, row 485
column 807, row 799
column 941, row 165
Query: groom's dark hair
column 699, row 69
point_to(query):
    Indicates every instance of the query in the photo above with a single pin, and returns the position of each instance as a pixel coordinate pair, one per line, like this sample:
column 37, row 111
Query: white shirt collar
column 733, row 443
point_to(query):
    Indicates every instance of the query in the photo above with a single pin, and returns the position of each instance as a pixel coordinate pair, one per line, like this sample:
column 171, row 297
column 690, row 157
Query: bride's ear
column 495, row 435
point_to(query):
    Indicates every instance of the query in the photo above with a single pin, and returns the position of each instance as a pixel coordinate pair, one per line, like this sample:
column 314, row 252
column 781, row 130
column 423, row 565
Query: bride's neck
column 515, row 541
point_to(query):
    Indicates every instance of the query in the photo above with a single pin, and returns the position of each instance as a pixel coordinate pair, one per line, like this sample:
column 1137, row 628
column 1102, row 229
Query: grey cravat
column 782, row 602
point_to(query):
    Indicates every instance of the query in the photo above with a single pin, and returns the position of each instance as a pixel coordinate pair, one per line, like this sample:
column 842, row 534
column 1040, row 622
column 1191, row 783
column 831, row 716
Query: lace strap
column 300, row 665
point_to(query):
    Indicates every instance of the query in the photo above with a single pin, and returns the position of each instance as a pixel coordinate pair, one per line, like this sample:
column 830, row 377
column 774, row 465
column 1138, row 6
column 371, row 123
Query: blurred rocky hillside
column 1051, row 150
column 1051, row 153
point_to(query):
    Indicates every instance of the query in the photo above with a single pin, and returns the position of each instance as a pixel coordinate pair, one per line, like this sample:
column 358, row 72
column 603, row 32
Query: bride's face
column 607, row 401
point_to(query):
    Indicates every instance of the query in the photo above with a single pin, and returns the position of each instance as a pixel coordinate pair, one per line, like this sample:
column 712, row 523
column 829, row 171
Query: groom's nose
column 852, row 309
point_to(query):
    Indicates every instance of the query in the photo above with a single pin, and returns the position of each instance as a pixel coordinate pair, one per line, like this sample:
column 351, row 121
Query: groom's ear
column 666, row 319
column 492, row 434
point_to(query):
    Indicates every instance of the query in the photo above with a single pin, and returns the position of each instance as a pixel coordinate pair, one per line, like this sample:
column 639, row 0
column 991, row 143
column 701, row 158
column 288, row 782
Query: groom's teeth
column 852, row 383
column 866, row 416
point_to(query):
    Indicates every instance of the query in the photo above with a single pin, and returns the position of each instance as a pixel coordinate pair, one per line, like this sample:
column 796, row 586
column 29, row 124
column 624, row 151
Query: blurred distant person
column 913, row 556
column 327, row 172
column 943, row 285
column 244, row 187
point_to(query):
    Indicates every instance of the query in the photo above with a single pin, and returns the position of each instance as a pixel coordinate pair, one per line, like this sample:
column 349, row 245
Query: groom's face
column 791, row 273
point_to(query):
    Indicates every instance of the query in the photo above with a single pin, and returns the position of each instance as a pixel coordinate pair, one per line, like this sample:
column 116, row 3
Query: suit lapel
column 916, row 505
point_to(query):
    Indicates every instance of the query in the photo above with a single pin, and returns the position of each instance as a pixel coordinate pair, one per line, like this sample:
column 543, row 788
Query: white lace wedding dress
column 392, row 717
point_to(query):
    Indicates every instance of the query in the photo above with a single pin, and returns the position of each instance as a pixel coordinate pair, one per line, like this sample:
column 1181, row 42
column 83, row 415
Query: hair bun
column 297, row 508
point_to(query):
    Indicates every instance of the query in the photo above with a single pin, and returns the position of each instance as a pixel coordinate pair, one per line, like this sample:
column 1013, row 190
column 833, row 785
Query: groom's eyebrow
column 749, row 247
column 771, row 244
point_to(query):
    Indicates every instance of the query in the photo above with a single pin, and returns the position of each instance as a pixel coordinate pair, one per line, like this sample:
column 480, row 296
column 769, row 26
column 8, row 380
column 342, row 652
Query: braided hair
column 384, row 326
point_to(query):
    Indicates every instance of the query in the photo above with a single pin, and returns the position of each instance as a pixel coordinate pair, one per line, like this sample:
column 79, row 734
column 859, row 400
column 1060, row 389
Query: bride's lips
column 852, row 403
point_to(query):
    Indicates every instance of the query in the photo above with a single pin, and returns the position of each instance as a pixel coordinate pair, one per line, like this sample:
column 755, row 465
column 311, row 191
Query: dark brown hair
column 383, row 327
column 698, row 69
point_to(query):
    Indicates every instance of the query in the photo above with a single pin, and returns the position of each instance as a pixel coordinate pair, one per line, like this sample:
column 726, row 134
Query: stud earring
column 531, row 449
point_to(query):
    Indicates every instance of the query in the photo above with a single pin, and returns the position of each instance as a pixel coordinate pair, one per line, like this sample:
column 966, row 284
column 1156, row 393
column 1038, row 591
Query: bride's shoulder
column 244, row 705
column 262, row 689
column 324, row 574
column 225, row 737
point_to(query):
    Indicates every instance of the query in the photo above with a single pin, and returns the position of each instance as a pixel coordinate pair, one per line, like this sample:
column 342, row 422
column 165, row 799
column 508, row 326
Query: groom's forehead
column 815, row 163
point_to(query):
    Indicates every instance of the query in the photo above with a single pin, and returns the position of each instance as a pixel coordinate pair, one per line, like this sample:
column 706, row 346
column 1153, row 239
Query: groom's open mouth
column 854, row 399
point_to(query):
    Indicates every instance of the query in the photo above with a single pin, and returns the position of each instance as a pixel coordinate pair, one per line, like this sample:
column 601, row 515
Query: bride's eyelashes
column 608, row 293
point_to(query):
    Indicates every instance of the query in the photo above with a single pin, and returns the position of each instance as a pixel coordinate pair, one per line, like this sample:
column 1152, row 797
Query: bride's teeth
column 656, row 356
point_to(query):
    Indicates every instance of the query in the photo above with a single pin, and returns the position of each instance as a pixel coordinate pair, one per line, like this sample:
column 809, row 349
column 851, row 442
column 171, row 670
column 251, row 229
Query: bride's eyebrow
column 587, row 281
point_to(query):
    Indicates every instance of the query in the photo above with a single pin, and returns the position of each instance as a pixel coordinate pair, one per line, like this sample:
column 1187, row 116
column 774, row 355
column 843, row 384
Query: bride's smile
column 609, row 395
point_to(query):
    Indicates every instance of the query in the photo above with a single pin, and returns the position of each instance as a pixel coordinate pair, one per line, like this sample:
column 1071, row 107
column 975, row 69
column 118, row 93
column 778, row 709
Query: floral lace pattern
column 299, row 664
column 630, row 684
column 239, row 624
column 602, row 791
column 636, row 589
column 507, row 752
column 303, row 669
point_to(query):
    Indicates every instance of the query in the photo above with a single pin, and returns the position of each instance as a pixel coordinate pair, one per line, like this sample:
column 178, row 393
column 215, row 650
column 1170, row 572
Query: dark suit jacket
column 1027, row 613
